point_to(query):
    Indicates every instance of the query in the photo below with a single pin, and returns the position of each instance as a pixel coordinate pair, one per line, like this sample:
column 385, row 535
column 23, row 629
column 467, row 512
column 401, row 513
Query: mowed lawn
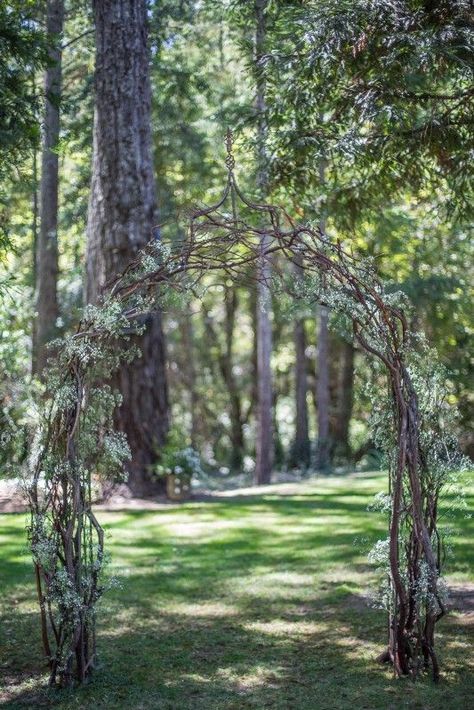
column 239, row 601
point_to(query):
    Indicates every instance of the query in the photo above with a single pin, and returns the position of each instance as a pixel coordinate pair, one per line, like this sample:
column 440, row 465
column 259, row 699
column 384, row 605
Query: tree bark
column 122, row 214
column 35, row 216
column 300, row 454
column 188, row 343
column 46, row 274
column 264, row 443
column 322, row 391
column 225, row 356
column 227, row 367
column 345, row 390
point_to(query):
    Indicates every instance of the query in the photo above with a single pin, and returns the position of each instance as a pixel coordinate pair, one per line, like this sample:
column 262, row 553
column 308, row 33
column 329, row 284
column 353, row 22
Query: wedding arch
column 235, row 238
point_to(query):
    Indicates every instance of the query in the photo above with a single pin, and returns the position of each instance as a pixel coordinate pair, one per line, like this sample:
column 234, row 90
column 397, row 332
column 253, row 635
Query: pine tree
column 122, row 215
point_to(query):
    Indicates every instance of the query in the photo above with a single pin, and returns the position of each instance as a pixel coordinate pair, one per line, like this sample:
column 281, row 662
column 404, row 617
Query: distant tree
column 300, row 453
column 263, row 333
column 383, row 91
column 340, row 442
column 323, row 449
column 226, row 360
column 46, row 271
column 122, row 215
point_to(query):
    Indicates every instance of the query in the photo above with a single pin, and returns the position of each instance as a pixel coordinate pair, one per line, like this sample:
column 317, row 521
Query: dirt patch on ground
column 461, row 598
column 13, row 500
column 12, row 497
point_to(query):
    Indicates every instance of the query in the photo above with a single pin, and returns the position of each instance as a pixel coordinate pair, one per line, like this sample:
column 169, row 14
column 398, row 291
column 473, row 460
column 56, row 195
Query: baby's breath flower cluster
column 75, row 447
column 183, row 463
column 411, row 426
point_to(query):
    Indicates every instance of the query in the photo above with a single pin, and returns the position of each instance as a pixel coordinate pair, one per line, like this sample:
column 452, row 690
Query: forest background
column 364, row 122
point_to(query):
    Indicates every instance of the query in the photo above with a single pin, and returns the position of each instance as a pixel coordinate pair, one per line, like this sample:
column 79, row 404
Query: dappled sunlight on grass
column 205, row 609
column 281, row 627
column 238, row 601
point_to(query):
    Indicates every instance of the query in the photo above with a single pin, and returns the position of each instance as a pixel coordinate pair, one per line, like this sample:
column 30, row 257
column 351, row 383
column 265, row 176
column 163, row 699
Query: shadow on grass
column 323, row 657
column 254, row 603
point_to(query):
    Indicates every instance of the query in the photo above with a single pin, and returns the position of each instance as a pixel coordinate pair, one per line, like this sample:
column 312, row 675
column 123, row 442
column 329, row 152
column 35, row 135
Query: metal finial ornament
column 229, row 142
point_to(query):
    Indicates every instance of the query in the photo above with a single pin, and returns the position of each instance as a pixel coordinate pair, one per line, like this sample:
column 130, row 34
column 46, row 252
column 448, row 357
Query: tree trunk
column 236, row 420
column 323, row 393
column 278, row 448
column 46, row 274
column 35, row 215
column 301, row 445
column 322, row 390
column 225, row 357
column 188, row 343
column 264, row 443
column 236, row 433
column 300, row 453
column 345, row 388
column 122, row 214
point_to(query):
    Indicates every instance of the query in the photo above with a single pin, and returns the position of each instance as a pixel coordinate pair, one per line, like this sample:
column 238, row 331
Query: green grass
column 243, row 602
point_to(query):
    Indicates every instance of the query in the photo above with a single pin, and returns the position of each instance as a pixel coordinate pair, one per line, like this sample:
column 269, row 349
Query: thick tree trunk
column 122, row 214
column 345, row 390
column 322, row 391
column 46, row 273
column 264, row 443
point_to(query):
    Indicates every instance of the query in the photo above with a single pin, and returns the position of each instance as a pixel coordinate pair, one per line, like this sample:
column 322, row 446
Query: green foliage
column 201, row 60
column 184, row 463
column 442, row 467
column 17, row 407
column 23, row 51
column 374, row 93
column 75, row 445
column 382, row 91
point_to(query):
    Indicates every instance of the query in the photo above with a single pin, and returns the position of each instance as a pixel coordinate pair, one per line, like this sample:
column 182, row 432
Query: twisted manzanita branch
column 77, row 439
